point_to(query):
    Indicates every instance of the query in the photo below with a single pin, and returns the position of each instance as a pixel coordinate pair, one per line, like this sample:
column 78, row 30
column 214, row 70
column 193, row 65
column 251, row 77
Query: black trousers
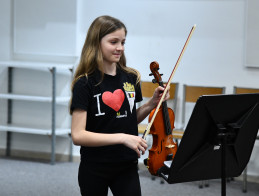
column 122, row 178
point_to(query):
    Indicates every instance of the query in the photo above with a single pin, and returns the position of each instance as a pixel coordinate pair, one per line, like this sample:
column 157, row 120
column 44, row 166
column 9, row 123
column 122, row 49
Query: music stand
column 218, row 140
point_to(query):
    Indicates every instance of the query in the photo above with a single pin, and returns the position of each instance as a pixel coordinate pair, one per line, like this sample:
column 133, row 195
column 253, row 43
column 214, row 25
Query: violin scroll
column 154, row 67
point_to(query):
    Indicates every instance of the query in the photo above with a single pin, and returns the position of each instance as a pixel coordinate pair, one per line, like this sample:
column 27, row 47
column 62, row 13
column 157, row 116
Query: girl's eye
column 113, row 42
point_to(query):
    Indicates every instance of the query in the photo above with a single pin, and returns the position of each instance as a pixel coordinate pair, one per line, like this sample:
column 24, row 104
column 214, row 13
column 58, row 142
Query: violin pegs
column 154, row 81
column 151, row 74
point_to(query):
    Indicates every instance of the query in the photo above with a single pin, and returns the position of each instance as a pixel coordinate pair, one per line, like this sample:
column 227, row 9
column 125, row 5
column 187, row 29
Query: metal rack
column 53, row 100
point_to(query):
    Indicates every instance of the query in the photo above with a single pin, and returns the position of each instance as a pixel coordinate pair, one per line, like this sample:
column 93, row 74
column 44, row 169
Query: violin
column 163, row 148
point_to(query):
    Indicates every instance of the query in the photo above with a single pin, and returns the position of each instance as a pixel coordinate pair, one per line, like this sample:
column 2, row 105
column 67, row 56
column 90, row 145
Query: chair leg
column 230, row 179
column 245, row 180
column 162, row 181
column 203, row 183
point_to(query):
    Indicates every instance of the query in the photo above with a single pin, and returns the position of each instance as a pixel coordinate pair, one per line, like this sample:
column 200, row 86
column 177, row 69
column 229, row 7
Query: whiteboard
column 252, row 34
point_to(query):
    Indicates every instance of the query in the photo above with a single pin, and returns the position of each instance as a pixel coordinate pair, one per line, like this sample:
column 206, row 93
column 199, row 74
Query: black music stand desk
column 218, row 140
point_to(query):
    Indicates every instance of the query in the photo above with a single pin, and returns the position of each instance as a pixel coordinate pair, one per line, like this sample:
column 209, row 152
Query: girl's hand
column 158, row 94
column 136, row 143
column 144, row 110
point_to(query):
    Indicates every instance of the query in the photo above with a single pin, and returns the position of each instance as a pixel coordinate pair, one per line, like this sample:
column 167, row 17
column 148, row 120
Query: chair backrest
column 243, row 90
column 192, row 93
column 148, row 89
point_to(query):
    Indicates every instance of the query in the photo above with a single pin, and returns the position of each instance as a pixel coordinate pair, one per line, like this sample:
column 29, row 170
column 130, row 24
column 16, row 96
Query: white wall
column 157, row 30
column 45, row 27
column 5, row 29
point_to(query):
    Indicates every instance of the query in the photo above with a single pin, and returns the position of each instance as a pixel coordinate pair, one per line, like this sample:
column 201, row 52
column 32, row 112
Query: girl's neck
column 110, row 69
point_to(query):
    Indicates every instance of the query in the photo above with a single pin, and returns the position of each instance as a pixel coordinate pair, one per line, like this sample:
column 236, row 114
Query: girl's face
column 112, row 46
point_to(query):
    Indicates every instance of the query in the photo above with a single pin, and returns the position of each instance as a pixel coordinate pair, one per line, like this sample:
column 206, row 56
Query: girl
column 104, row 114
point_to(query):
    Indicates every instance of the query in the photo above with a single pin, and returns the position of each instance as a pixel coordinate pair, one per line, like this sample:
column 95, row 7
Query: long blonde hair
column 91, row 55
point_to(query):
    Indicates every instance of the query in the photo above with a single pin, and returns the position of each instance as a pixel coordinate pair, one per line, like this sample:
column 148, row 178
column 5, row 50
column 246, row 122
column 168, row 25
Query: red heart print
column 114, row 100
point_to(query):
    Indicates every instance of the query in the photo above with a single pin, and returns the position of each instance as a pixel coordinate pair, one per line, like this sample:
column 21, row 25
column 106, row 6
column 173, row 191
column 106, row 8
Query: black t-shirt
column 111, row 108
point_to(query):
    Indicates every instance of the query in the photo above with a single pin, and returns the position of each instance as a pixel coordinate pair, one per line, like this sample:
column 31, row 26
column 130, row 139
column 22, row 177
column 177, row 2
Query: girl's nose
column 120, row 47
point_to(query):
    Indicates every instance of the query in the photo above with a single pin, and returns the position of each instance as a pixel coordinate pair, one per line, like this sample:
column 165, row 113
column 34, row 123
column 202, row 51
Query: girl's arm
column 82, row 137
